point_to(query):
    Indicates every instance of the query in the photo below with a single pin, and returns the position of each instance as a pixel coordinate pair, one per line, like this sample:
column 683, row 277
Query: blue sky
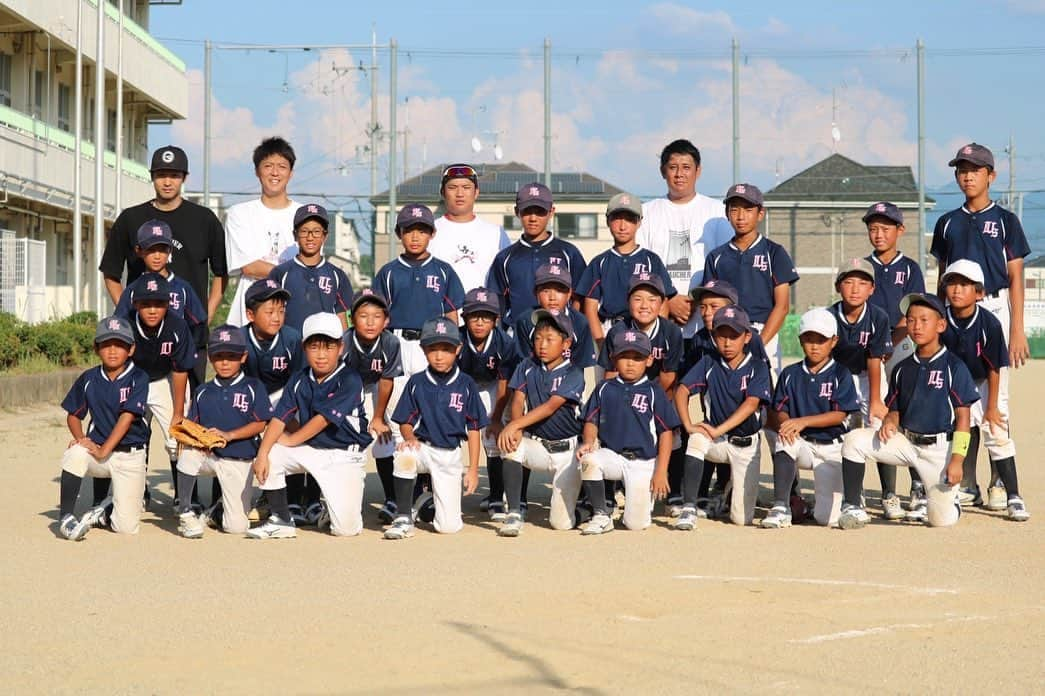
column 627, row 77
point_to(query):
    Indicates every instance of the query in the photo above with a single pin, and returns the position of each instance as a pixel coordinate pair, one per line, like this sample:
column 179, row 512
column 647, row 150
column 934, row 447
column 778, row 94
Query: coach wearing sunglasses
column 463, row 240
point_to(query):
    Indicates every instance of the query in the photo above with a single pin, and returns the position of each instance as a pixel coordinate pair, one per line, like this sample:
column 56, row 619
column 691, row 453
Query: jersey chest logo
column 457, row 401
column 990, row 228
column 760, row 262
column 377, row 364
column 166, row 347
column 279, row 363
column 657, row 353
column 901, row 278
column 491, row 363
column 641, row 268
column 432, row 283
column 555, row 384
column 640, row 403
column 936, row 379
column 826, row 390
column 325, row 285
column 864, row 337
column 175, row 302
column 743, row 383
column 239, row 402
column 125, row 393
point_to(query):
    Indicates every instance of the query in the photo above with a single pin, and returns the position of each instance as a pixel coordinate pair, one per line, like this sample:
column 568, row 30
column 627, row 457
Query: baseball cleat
column 72, row 528
column 512, row 526
column 424, row 507
column 687, row 519
column 777, row 518
column 919, row 511
column 853, row 517
column 401, row 528
column 997, row 499
column 387, row 512
column 97, row 516
column 297, row 515
column 917, row 495
column 313, row 512
column 273, row 528
column 213, row 516
column 1017, row 511
column 968, row 497
column 323, row 523
column 496, row 511
column 892, row 508
column 190, row 526
column 600, row 524
column 674, row 504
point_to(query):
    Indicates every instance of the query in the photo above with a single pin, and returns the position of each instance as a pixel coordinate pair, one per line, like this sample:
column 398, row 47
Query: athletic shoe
column 512, row 526
column 97, row 516
column 297, row 515
column 968, row 497
column 197, row 508
column 778, row 518
column 917, row 495
column 424, row 507
column 1017, row 511
column 401, row 528
column 388, row 511
column 323, row 522
column 892, row 507
column 997, row 498
column 687, row 519
column 919, row 511
column 582, row 513
column 313, row 512
column 496, row 511
column 853, row 517
column 72, row 528
column 214, row 516
column 600, row 524
column 702, row 508
column 674, row 503
column 189, row 525
column 274, row 528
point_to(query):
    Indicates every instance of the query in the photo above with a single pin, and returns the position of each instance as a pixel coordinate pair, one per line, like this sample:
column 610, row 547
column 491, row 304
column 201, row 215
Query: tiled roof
column 840, row 179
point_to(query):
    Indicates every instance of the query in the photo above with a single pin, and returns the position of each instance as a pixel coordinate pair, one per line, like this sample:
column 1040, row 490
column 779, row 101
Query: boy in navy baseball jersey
column 512, row 274
column 547, row 390
column 113, row 395
column 417, row 285
column 552, row 286
column 760, row 269
column 734, row 388
column 812, row 401
column 975, row 335
column 439, row 408
column 489, row 356
column 606, row 280
column 315, row 285
column 372, row 351
column 927, row 426
column 273, row 348
column 319, row 427
column 627, row 436
column 235, row 407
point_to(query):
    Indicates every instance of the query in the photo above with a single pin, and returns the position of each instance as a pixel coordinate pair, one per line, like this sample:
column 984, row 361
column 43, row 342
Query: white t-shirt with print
column 256, row 233
column 469, row 247
column 683, row 234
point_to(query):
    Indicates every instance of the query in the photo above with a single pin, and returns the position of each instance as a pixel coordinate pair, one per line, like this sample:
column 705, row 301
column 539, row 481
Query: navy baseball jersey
column 418, row 292
column 514, row 269
column 184, row 302
column 539, row 384
column 892, row 281
column 170, row 349
column 870, row 336
column 338, row 398
column 494, row 360
column 608, row 276
column 273, row 362
column 631, row 415
column 441, row 408
column 991, row 237
column 581, row 352
column 722, row 389
column 978, row 340
column 320, row 288
column 926, row 392
column 378, row 360
column 228, row 405
column 94, row 394
column 702, row 344
column 754, row 272
column 801, row 393
column 665, row 337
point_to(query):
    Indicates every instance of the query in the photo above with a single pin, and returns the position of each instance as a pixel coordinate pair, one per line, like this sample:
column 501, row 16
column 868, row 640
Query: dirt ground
column 892, row 608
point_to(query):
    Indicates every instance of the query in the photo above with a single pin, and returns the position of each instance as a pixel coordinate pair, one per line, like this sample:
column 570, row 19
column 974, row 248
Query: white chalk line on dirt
column 879, row 630
column 820, row 581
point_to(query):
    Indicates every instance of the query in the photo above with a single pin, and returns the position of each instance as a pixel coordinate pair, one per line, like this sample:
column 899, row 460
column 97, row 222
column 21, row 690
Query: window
column 88, row 119
column 65, row 100
column 512, row 224
column 577, row 225
column 110, row 130
column 38, row 94
column 6, row 62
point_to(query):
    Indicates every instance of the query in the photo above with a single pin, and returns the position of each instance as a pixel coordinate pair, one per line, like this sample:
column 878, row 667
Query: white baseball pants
column 447, row 470
column 636, row 474
column 997, row 442
column 339, row 473
column 236, row 478
column 566, row 477
column 127, row 471
column 826, row 462
column 743, row 463
column 386, row 449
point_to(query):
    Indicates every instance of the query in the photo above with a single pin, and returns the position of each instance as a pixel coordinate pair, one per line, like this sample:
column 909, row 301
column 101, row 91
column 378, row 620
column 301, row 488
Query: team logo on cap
column 625, row 200
column 440, row 328
column 711, row 284
column 365, row 291
column 157, row 231
column 555, row 270
column 152, row 285
column 271, row 284
column 534, row 191
column 644, row 276
column 114, row 324
column 730, row 313
column 480, row 296
column 967, row 150
column 167, row 156
column 740, row 188
column 879, row 207
column 630, row 336
column 416, row 212
column 224, row 336
column 312, row 209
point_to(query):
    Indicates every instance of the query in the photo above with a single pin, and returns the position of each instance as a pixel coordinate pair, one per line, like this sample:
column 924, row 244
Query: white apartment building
column 37, row 164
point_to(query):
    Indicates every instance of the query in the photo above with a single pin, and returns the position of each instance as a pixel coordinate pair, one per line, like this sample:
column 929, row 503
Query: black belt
column 128, row 448
column 993, row 295
column 235, row 459
column 741, row 440
column 631, row 454
column 924, row 438
column 832, row 441
column 409, row 334
column 555, row 446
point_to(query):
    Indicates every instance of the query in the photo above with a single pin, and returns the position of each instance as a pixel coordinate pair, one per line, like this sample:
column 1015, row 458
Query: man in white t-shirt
column 461, row 239
column 682, row 228
column 259, row 234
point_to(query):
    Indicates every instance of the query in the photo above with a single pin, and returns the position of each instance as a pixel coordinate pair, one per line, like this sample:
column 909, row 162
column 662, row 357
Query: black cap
column 745, row 192
column 481, row 300
column 262, row 290
column 533, row 195
column 733, row 317
column 646, row 280
column 718, row 288
column 170, row 157
column 414, row 214
column 440, row 330
column 226, row 339
column 153, row 233
column 311, row 211
column 554, row 316
column 553, row 273
column 152, row 286
column 884, row 209
column 630, row 340
column 974, row 153
column 368, row 296
column 919, row 298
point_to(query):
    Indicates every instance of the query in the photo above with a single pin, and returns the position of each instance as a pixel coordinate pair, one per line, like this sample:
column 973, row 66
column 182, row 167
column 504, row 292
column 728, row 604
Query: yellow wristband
column 960, row 444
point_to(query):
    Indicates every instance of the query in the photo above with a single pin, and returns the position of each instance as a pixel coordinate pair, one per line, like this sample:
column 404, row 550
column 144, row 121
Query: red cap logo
column 152, row 285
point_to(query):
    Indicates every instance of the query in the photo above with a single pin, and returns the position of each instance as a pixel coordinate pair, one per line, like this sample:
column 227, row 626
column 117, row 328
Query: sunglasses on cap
column 459, row 172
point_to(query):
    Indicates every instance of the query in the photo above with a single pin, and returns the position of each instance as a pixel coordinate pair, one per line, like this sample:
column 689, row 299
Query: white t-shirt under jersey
column 469, row 247
column 256, row 233
column 682, row 234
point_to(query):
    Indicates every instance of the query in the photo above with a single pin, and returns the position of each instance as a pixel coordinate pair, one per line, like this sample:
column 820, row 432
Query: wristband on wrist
column 960, row 443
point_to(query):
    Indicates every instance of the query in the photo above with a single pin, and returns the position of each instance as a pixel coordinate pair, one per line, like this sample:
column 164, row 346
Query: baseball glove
column 195, row 435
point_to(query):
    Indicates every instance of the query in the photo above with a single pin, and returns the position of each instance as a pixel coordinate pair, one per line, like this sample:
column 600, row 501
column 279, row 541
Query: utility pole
column 548, row 112
column 921, row 153
column 99, row 154
column 392, row 96
column 1012, row 173
column 77, row 163
column 118, row 191
column 736, row 111
column 373, row 128
column 207, row 86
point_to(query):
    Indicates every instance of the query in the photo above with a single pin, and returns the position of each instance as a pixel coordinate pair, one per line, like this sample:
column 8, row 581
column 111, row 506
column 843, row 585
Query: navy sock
column 312, row 490
column 676, row 470
column 295, row 489
column 525, row 486
column 512, row 484
column 404, row 494
column 278, row 503
column 784, row 477
column 68, row 491
column 692, row 479
column 723, row 475
column 384, row 473
column 100, row 487
column 1007, row 471
column 596, row 495
column 215, row 490
column 887, row 476
column 495, row 477
column 853, row 482
column 186, row 483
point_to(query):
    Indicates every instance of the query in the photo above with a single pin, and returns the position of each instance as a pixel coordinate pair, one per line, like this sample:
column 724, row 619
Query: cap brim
column 623, row 209
column 266, row 296
column 736, row 326
column 477, row 308
column 650, row 286
column 954, row 162
column 918, row 298
column 533, row 203
column 370, row 299
column 853, row 271
column 129, row 341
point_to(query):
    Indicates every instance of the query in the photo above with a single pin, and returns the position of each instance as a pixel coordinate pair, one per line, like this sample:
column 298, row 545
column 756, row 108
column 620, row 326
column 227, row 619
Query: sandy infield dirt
column 893, row 608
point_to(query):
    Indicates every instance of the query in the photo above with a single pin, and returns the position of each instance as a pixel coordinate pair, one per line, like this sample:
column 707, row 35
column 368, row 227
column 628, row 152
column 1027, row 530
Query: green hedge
column 65, row 343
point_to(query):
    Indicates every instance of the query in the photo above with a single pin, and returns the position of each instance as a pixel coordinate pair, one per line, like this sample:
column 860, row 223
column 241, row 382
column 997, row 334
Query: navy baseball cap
column 630, row 340
column 368, row 296
column 481, row 300
column 646, row 280
column 554, row 316
column 974, row 153
column 733, row 317
column 262, row 290
column 226, row 339
column 311, row 211
column 414, row 214
column 440, row 330
column 718, row 288
column 152, row 286
column 884, row 209
column 170, row 157
column 535, row 195
column 920, row 298
column 114, row 327
column 154, row 233
column 553, row 273
column 745, row 192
